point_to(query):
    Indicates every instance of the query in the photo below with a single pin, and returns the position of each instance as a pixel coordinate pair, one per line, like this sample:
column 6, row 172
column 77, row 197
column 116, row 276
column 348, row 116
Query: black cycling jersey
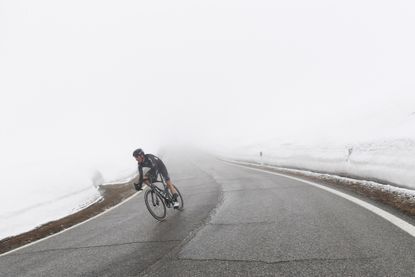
column 156, row 165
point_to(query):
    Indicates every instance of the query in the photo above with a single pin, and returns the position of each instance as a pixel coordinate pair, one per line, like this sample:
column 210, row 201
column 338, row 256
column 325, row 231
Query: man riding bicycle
column 156, row 166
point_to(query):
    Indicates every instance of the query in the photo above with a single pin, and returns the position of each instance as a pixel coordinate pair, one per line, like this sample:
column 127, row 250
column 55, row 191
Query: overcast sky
column 100, row 78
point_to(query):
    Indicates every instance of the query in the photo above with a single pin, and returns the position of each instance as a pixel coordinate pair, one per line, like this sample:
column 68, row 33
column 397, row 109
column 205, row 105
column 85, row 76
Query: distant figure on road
column 156, row 166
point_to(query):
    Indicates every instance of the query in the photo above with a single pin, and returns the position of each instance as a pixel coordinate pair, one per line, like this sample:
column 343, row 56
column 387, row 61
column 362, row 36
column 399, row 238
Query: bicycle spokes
column 155, row 204
column 159, row 199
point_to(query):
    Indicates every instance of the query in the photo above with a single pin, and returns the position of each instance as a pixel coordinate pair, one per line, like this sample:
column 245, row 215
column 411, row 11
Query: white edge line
column 402, row 224
column 72, row 227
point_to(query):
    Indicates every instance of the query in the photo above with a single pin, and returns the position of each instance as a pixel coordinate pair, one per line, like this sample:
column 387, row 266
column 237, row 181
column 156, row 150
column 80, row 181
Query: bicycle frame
column 159, row 198
column 163, row 193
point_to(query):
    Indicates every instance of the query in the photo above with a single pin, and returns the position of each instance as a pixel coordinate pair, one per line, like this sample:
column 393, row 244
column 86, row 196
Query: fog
column 86, row 82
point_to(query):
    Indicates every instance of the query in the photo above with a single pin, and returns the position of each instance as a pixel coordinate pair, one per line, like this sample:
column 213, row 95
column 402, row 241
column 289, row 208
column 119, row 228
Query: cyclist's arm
column 141, row 178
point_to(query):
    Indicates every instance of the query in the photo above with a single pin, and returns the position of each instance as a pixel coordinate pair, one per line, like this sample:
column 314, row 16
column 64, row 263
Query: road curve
column 236, row 222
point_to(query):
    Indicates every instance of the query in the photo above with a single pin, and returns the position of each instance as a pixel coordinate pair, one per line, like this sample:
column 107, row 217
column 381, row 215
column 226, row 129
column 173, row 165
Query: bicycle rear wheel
column 155, row 205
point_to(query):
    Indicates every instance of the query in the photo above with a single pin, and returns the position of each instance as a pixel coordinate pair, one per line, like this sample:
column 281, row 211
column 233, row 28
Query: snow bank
column 389, row 156
column 15, row 221
column 39, row 192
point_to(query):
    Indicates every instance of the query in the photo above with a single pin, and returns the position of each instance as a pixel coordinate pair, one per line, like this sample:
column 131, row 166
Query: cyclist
column 156, row 165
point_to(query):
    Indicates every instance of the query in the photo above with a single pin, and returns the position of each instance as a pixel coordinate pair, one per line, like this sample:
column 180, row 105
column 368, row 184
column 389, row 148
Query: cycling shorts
column 152, row 175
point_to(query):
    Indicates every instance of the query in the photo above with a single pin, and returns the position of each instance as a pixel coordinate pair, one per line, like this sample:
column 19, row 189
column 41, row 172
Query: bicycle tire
column 153, row 201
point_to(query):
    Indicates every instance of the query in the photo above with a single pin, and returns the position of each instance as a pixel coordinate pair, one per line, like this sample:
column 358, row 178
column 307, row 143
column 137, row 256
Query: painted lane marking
column 400, row 223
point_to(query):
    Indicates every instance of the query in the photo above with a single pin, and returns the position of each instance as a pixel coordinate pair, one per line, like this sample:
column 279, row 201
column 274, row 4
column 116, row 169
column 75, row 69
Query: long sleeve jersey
column 154, row 163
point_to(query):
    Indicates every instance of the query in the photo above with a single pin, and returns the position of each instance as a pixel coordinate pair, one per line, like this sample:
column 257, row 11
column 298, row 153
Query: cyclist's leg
column 171, row 187
column 166, row 177
column 173, row 190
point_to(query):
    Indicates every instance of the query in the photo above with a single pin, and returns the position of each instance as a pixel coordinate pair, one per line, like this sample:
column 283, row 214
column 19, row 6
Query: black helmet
column 138, row 152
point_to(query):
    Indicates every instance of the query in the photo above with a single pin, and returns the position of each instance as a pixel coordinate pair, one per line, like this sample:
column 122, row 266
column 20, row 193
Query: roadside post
column 260, row 156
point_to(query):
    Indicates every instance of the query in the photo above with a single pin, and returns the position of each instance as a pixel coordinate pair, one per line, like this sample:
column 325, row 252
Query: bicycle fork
column 154, row 199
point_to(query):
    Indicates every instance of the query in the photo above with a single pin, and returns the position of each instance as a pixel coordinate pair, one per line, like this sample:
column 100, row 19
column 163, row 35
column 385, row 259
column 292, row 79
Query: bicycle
column 157, row 198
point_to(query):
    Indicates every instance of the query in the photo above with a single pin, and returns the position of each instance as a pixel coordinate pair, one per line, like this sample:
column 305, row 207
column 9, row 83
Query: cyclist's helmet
column 138, row 152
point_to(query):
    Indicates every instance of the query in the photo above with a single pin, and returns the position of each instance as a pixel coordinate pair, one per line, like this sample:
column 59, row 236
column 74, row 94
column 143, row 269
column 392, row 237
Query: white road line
column 407, row 227
column 72, row 227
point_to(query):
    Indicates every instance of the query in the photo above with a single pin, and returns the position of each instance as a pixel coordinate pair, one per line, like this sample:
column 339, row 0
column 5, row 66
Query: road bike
column 158, row 196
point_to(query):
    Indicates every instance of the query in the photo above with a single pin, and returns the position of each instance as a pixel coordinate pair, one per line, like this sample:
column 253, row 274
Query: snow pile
column 401, row 192
column 48, row 190
column 388, row 155
column 13, row 222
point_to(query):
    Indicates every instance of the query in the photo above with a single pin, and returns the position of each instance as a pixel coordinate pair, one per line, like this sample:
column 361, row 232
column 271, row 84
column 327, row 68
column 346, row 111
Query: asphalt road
column 236, row 222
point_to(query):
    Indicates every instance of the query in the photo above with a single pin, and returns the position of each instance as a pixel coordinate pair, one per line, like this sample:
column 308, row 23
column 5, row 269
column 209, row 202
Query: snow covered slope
column 387, row 154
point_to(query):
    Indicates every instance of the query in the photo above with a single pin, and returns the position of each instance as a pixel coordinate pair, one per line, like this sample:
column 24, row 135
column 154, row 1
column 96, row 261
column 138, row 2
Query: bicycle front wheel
column 155, row 205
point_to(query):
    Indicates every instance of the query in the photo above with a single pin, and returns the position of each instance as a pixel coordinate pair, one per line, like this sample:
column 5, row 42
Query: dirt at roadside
column 111, row 196
column 403, row 203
